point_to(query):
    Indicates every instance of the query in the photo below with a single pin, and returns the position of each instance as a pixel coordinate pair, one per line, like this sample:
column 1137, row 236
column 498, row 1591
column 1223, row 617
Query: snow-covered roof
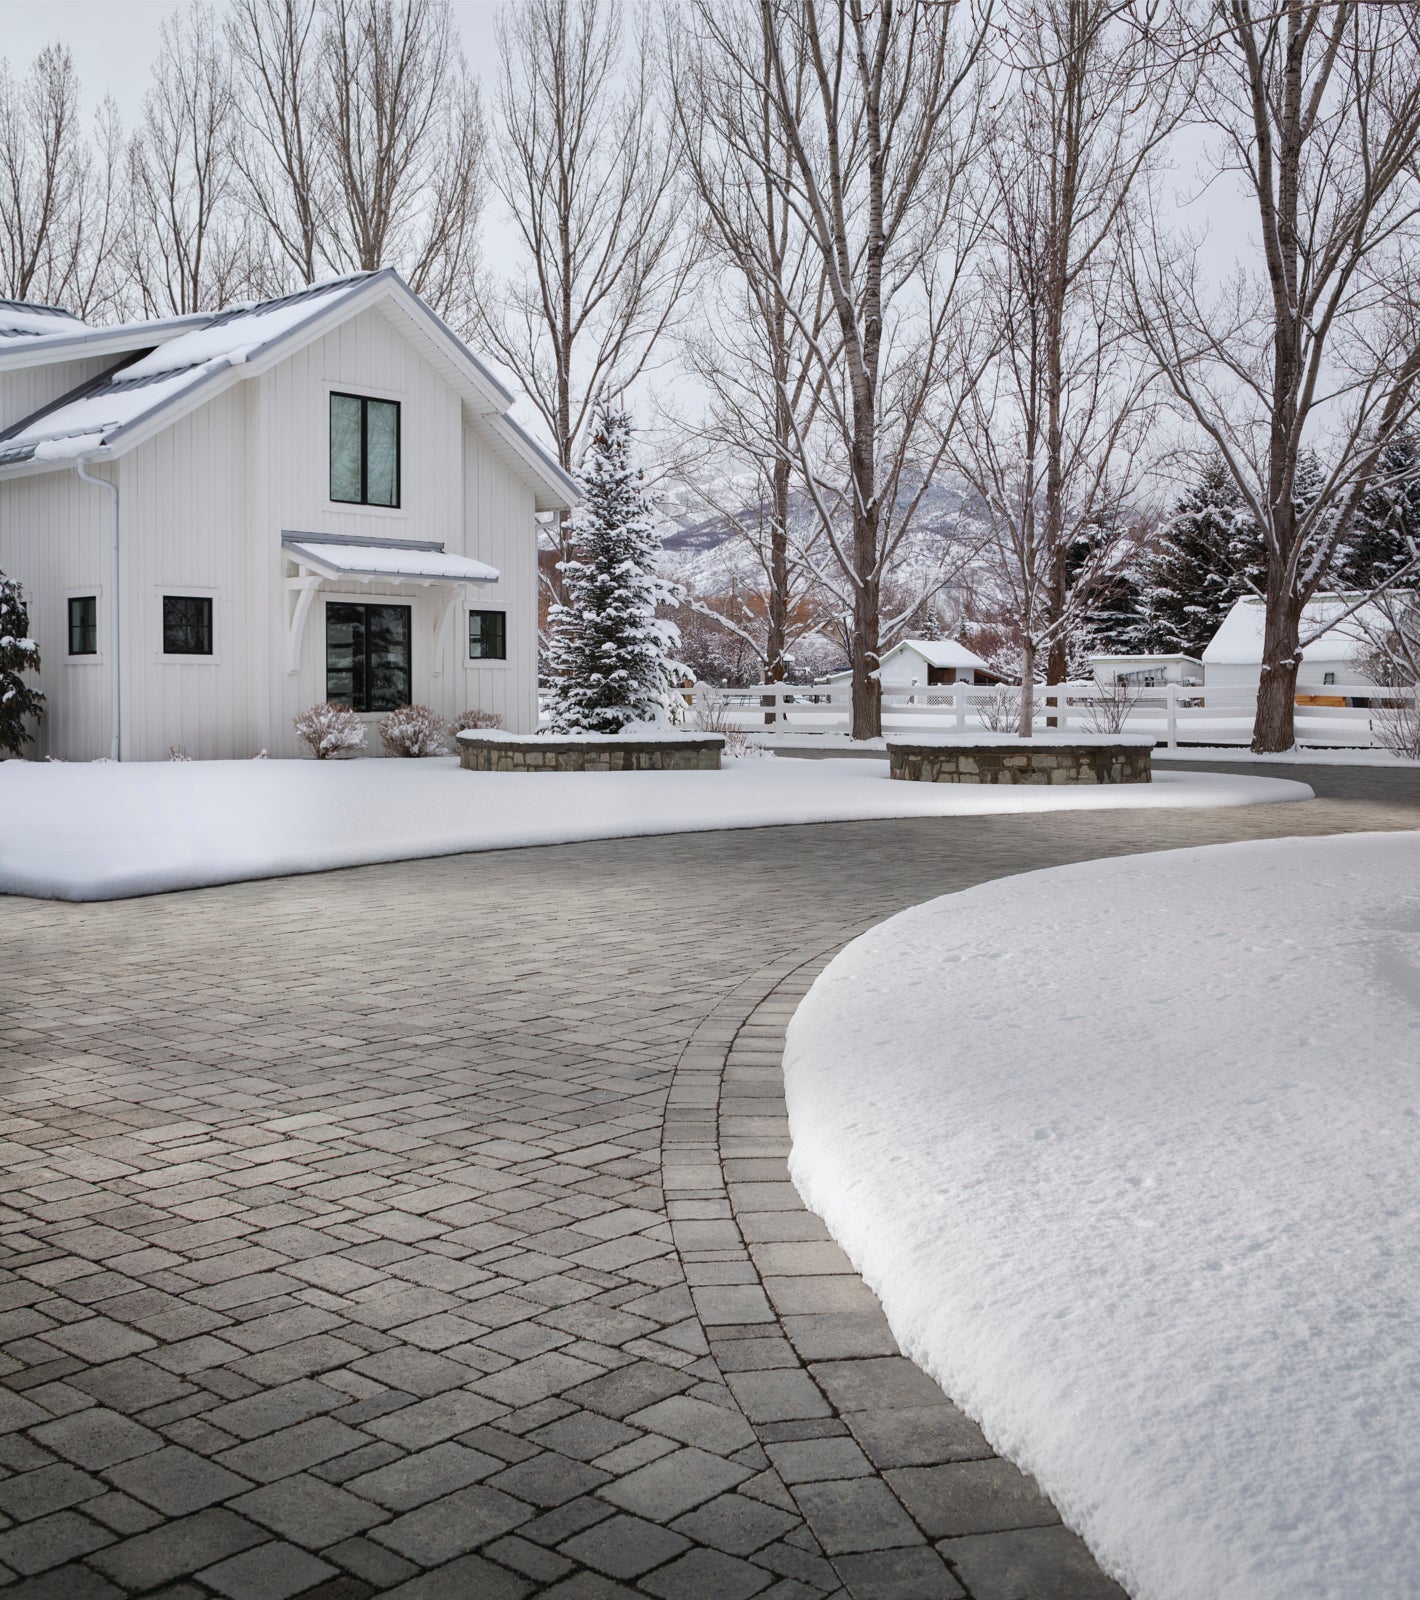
column 941, row 653
column 181, row 361
column 415, row 561
column 1238, row 641
column 22, row 319
column 1144, row 660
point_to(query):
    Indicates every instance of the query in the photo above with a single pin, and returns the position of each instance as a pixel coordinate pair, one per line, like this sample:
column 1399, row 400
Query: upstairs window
column 364, row 450
column 84, row 625
column 488, row 636
column 187, row 625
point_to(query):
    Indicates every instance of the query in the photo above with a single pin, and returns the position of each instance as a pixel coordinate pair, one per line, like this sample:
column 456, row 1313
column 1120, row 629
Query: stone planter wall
column 480, row 753
column 967, row 763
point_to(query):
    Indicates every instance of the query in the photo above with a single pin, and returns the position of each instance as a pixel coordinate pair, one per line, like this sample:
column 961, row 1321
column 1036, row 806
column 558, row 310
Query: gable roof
column 26, row 319
column 176, row 364
column 1238, row 641
column 941, row 653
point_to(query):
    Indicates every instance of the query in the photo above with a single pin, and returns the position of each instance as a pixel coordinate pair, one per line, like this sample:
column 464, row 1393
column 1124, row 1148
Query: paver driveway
column 425, row 1229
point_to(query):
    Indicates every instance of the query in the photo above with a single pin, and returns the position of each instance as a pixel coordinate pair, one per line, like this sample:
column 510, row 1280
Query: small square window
column 1328, row 677
column 488, row 636
column 187, row 625
column 84, row 625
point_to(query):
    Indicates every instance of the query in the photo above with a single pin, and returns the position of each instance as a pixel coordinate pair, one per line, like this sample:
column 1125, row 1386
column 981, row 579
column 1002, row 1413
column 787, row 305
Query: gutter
column 105, row 483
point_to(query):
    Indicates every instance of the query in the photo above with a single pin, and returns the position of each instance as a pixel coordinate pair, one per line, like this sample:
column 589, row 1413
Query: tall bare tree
column 60, row 206
column 1314, row 341
column 762, row 374
column 1062, row 421
column 193, row 245
column 874, row 159
column 585, row 166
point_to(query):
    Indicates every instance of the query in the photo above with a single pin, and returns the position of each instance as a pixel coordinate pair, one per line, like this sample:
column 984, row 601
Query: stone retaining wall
column 563, row 754
column 967, row 763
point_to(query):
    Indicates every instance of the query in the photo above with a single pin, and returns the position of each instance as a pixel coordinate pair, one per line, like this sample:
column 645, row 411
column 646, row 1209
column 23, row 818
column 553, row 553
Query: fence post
column 959, row 706
column 1171, row 691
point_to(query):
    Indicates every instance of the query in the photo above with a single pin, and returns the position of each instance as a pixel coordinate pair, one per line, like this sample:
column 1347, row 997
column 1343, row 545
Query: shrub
column 712, row 715
column 177, row 753
column 414, row 731
column 330, row 730
column 475, row 719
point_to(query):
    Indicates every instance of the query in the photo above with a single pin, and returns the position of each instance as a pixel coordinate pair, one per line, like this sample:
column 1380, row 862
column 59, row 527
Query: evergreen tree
column 18, row 654
column 1209, row 555
column 1114, row 624
column 610, row 652
column 1387, row 518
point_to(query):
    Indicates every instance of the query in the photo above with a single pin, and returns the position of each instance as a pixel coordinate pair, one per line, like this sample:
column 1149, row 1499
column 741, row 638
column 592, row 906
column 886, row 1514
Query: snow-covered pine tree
column 1386, row 520
column 1114, row 623
column 18, row 654
column 1209, row 554
column 610, row 653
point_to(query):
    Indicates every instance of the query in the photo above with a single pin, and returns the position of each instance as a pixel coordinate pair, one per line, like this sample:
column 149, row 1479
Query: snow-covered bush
column 414, row 731
column 330, row 730
column 610, row 652
column 177, row 753
column 468, row 720
column 1000, row 711
column 18, row 654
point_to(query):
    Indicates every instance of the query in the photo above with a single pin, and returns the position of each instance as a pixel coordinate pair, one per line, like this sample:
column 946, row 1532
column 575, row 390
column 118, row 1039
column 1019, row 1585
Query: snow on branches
column 18, row 654
column 610, row 653
column 330, row 730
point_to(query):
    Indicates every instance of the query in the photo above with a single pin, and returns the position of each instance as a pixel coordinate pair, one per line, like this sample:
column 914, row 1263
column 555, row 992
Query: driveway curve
column 424, row 1230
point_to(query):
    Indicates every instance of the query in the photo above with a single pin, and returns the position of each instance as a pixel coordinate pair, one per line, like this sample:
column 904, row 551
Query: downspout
column 105, row 483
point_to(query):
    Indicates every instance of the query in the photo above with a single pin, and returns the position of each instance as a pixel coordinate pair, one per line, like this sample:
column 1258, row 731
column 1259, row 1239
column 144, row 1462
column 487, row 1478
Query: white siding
column 26, row 390
column 54, row 541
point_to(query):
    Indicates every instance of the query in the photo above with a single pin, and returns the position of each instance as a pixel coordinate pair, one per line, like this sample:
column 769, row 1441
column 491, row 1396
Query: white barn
column 916, row 662
column 1232, row 659
column 219, row 520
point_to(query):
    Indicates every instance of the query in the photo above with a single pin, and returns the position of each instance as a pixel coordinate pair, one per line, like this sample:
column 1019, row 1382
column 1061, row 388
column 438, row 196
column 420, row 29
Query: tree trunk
column 1274, row 729
column 1025, row 726
column 776, row 640
column 867, row 690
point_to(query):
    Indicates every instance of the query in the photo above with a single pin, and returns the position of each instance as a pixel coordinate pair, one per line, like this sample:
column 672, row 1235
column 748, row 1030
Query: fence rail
column 1173, row 713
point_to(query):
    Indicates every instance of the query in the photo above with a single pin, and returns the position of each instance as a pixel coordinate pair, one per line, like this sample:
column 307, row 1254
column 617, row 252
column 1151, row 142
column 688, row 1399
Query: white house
column 219, row 520
column 1232, row 659
column 1146, row 672
column 927, row 661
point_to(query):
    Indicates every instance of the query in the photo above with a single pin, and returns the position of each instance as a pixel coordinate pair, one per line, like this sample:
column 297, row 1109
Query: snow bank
column 1290, row 758
column 1128, row 1150
column 101, row 831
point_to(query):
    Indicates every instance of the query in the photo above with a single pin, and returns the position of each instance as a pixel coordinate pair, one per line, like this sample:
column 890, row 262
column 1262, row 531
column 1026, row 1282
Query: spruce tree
column 610, row 652
column 1386, row 520
column 18, row 654
column 1209, row 555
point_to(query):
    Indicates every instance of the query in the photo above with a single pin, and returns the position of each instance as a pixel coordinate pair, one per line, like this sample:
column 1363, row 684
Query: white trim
column 81, row 592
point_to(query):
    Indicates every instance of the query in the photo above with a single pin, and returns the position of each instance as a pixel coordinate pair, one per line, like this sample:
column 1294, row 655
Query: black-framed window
column 84, row 625
column 367, row 664
column 364, row 450
column 488, row 636
column 187, row 625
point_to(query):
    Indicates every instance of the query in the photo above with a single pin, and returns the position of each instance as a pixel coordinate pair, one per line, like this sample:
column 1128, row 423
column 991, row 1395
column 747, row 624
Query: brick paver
column 426, row 1230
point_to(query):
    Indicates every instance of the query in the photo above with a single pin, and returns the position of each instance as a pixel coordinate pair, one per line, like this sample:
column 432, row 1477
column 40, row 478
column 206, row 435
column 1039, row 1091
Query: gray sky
column 115, row 41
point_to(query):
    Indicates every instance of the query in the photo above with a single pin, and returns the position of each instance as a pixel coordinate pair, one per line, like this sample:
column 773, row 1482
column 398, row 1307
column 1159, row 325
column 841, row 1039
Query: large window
column 367, row 656
column 187, row 625
column 488, row 636
column 84, row 625
column 364, row 450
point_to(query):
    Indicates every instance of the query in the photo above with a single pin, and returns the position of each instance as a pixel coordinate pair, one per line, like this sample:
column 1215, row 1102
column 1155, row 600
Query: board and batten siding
column 54, row 543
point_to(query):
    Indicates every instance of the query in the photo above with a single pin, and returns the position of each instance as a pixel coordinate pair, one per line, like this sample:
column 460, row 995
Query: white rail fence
column 1173, row 714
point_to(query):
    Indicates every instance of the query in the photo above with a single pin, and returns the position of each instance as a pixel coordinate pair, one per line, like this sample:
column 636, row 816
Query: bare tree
column 193, row 248
column 275, row 46
column 763, row 375
column 587, row 171
column 1062, row 421
column 403, row 136
column 874, row 159
column 59, row 202
column 1314, row 343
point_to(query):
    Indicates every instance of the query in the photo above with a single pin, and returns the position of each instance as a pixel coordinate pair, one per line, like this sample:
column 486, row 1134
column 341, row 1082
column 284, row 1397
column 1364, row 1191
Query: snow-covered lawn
column 1129, row 1150
column 100, row 831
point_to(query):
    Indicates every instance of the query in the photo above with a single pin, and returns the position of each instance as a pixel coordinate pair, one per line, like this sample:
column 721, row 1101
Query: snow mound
column 99, row 831
column 1128, row 1151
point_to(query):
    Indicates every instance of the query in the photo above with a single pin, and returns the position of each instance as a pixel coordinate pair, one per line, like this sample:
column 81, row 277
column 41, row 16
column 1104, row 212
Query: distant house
column 1146, row 672
column 221, row 519
column 1233, row 657
column 927, row 662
